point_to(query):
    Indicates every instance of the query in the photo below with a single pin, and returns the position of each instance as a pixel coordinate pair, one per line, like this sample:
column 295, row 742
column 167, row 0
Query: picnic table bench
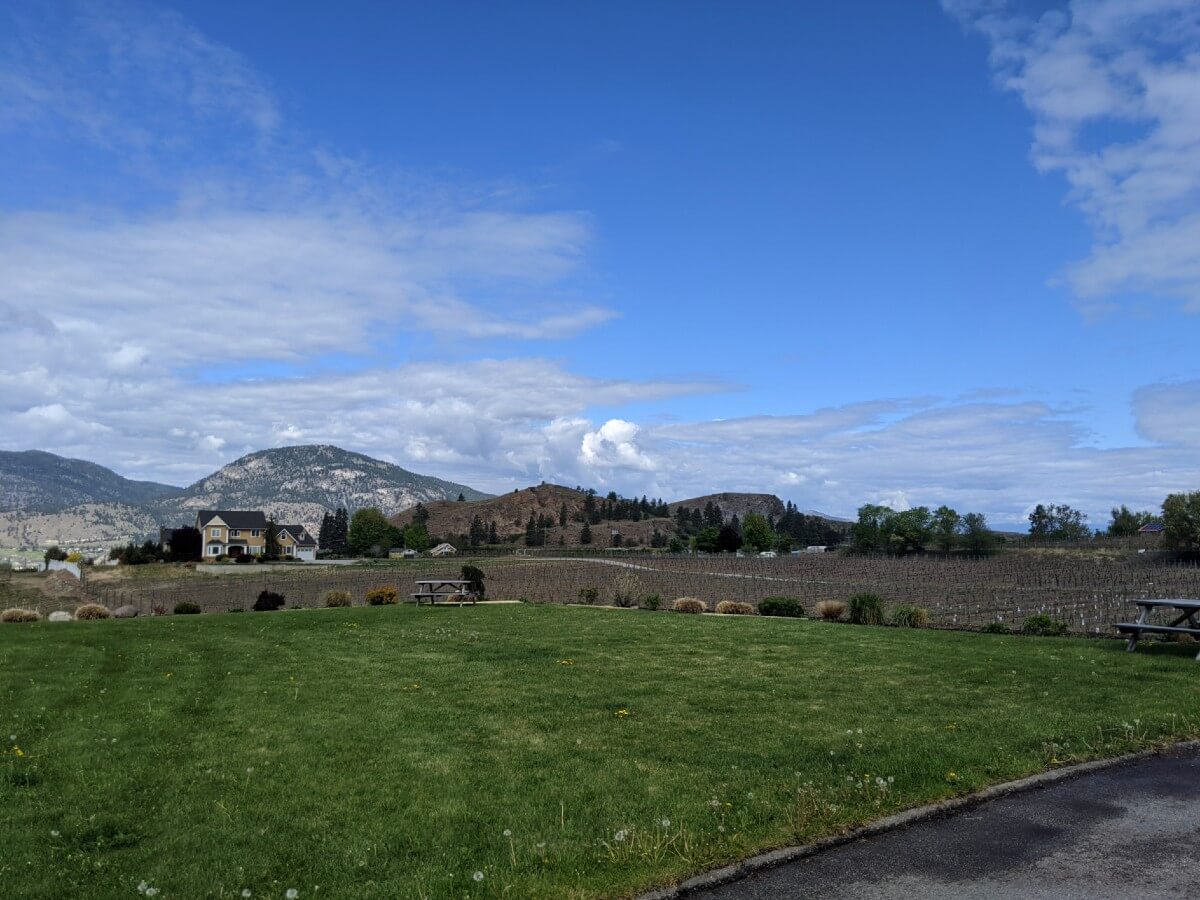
column 434, row 589
column 1188, row 612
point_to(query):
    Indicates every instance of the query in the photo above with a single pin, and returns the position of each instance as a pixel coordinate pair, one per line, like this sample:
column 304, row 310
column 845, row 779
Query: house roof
column 300, row 534
column 1151, row 528
column 234, row 518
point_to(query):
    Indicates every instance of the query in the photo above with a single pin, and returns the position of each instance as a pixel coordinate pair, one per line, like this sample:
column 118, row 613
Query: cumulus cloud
column 1114, row 88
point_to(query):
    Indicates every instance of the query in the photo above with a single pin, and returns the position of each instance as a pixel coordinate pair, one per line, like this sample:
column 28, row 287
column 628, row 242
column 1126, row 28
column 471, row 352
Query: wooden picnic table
column 433, row 589
column 1188, row 612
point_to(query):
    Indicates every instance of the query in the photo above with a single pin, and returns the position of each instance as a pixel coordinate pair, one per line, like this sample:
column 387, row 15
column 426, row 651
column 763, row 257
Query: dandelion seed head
column 291, row 894
column 620, row 835
column 53, row 833
column 508, row 832
column 246, row 892
column 478, row 876
column 666, row 823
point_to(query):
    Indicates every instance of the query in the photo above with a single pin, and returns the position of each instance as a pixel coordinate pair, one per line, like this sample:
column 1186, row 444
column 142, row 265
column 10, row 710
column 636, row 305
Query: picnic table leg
column 1134, row 635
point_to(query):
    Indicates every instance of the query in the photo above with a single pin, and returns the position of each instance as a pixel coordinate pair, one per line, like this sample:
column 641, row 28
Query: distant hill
column 35, row 481
column 734, row 504
column 298, row 484
column 510, row 512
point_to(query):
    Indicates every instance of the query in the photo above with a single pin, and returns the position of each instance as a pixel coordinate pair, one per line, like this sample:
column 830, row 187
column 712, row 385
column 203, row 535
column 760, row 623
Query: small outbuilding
column 443, row 549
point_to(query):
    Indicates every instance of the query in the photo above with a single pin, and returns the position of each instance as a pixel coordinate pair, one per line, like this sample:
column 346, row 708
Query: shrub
column 866, row 609
column 1042, row 625
column 243, row 559
column 651, row 601
column 383, row 596
column 689, row 605
column 996, row 628
column 92, row 611
column 625, row 591
column 735, row 608
column 474, row 575
column 588, row 595
column 907, row 616
column 157, row 609
column 337, row 598
column 268, row 601
column 20, row 615
column 830, row 610
column 781, row 606
column 186, row 609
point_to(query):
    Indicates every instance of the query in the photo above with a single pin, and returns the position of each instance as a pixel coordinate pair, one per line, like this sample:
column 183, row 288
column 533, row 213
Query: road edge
column 772, row 858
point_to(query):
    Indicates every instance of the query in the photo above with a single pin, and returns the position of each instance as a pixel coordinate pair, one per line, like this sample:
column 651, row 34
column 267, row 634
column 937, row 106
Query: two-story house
column 244, row 532
column 228, row 532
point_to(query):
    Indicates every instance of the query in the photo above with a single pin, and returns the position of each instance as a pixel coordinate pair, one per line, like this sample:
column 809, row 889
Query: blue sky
column 905, row 253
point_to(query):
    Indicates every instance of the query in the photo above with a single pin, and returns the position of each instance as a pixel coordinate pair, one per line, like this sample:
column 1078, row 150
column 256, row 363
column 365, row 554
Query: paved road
column 1128, row 832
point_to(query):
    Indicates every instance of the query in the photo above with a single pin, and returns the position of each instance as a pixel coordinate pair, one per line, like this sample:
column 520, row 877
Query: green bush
column 474, row 575
column 1044, row 626
column 996, row 628
column 907, row 616
column 866, row 609
column 184, row 608
column 383, row 596
column 589, row 595
column 781, row 606
column 268, row 601
column 651, row 601
column 337, row 598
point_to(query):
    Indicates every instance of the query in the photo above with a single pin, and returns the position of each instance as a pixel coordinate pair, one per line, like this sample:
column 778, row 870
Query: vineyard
column 1089, row 593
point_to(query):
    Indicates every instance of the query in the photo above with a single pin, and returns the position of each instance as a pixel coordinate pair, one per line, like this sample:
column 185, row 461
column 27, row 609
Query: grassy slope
column 383, row 752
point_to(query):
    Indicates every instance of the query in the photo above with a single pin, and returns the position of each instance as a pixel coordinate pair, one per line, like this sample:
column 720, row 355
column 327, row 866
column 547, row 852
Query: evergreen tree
column 461, row 498
column 478, row 533
column 585, row 534
column 562, row 515
column 493, row 537
column 271, row 542
column 340, row 537
column 420, row 514
column 325, row 535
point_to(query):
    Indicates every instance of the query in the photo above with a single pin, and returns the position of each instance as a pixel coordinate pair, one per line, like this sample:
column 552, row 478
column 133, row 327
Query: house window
column 287, row 550
column 214, row 532
column 214, row 551
column 254, row 532
column 235, row 533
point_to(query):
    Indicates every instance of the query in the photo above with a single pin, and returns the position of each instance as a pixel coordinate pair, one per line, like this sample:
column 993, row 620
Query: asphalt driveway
column 1132, row 831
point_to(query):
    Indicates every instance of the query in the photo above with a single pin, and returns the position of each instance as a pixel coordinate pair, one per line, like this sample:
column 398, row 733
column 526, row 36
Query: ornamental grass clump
column 691, row 605
column 383, row 596
column 781, row 606
column 186, row 609
column 20, row 615
column 625, row 591
column 735, row 608
column 1044, row 626
column 92, row 611
column 830, row 610
column 907, row 616
column 651, row 602
column 866, row 609
column 334, row 599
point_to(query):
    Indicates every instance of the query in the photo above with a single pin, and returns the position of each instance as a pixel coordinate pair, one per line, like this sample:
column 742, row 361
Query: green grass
column 385, row 752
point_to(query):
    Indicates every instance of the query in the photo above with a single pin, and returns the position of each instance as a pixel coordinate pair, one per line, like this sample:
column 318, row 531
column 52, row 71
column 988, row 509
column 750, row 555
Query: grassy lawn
column 556, row 752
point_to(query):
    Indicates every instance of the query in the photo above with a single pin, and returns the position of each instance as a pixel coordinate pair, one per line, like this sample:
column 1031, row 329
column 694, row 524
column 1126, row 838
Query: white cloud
column 1114, row 88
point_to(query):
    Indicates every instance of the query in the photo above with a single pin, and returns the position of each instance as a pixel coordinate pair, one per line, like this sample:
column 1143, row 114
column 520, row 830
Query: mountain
column 298, row 484
column 736, row 504
column 35, row 481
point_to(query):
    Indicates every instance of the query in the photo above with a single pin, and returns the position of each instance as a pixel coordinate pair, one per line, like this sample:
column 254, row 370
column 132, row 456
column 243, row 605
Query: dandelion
column 53, row 833
column 620, row 836
column 621, row 713
column 478, row 876
column 12, row 737
column 246, row 892
column 541, row 845
column 508, row 832
column 142, row 887
column 666, row 823
column 151, row 892
column 17, row 751
column 291, row 894
column 952, row 777
column 891, row 779
column 714, row 803
column 721, row 828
